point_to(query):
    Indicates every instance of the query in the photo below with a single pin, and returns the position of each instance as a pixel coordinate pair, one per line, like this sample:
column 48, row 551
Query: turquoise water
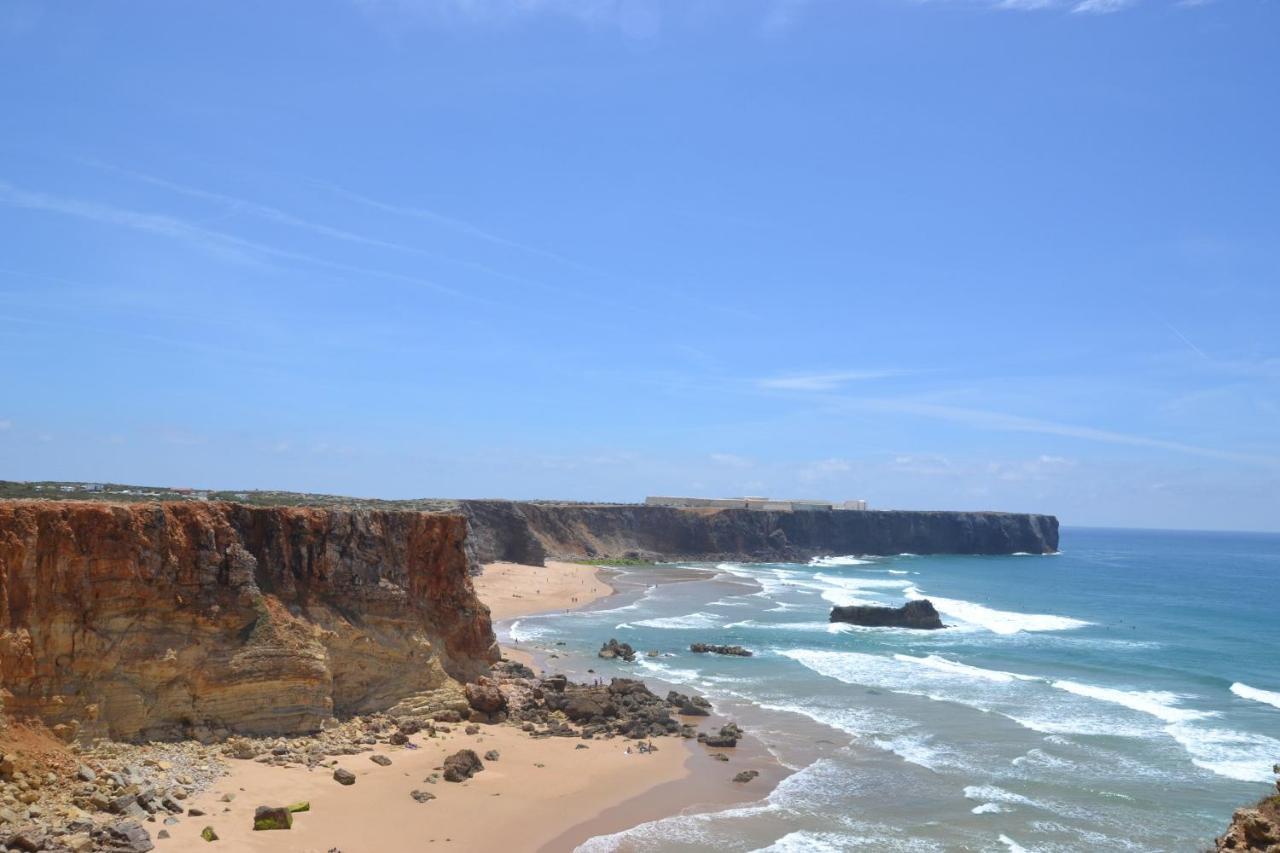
column 1121, row 695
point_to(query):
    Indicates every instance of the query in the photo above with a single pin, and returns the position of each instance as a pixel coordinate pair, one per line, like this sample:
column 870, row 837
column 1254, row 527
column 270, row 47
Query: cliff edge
column 180, row 619
column 530, row 532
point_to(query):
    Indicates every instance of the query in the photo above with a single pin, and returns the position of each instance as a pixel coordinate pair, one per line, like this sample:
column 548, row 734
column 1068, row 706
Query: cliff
column 166, row 619
column 529, row 532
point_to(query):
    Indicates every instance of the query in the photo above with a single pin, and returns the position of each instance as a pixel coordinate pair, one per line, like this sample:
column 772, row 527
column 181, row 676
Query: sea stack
column 914, row 614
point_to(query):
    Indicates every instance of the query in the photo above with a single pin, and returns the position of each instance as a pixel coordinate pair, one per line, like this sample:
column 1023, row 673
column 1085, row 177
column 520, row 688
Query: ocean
column 1123, row 694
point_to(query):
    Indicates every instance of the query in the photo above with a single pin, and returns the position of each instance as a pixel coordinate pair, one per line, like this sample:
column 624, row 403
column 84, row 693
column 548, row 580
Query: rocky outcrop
column 529, row 532
column 613, row 649
column 733, row 651
column 1256, row 829
column 914, row 614
column 162, row 620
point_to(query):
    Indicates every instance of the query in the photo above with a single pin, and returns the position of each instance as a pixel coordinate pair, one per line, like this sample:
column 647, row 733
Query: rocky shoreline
column 111, row 797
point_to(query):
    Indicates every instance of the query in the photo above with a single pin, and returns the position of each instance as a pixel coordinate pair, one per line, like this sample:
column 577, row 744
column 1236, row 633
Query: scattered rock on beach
column 491, row 755
column 422, row 796
column 380, row 760
column 462, row 765
column 272, row 817
column 746, row 776
column 344, row 777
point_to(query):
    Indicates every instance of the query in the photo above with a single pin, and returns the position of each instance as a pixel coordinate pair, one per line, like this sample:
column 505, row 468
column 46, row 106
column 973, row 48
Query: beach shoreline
column 545, row 794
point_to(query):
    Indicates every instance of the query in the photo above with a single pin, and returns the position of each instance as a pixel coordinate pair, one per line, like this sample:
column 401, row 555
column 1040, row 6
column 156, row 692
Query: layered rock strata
column 531, row 532
column 202, row 619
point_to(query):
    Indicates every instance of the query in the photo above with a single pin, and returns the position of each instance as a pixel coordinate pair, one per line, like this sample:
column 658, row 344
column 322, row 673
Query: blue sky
column 1018, row 255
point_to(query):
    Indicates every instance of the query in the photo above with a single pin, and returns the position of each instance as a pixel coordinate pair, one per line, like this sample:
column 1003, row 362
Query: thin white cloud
column 731, row 460
column 1003, row 422
column 824, row 381
column 198, row 236
column 1101, row 7
column 636, row 18
column 452, row 222
column 274, row 215
column 5, row 424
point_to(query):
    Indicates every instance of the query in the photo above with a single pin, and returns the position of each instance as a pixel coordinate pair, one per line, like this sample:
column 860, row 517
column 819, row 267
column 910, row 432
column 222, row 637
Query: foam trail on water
column 1014, row 847
column 998, row 621
column 848, row 560
column 1157, row 703
column 941, row 664
column 1267, row 697
column 988, row 808
column 1230, row 754
column 690, row 620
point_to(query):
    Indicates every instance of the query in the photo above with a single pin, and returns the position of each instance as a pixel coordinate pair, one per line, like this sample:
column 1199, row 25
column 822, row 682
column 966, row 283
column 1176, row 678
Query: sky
column 936, row 254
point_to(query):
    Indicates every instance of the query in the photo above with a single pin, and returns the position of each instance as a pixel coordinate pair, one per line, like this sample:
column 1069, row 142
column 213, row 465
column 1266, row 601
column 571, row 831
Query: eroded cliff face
column 159, row 620
column 525, row 532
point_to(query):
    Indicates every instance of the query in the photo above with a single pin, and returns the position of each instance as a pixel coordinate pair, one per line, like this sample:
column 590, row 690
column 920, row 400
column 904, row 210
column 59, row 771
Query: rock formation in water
column 732, row 651
column 914, row 614
column 530, row 532
column 200, row 619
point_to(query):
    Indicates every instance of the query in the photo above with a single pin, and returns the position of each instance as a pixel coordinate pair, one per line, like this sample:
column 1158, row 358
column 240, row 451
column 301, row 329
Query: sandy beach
column 547, row 794
column 513, row 589
column 531, row 794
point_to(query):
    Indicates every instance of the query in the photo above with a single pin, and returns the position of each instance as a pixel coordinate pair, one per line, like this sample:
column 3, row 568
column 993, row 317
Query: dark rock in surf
column 920, row 615
column 735, row 651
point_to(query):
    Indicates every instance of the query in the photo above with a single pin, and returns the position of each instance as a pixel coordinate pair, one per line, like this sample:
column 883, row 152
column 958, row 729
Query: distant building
column 694, row 503
column 91, row 487
column 756, row 503
column 856, row 505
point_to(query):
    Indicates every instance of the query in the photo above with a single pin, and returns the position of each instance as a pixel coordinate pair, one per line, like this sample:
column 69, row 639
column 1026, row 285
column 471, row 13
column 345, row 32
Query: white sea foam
column 848, row 560
column 954, row 668
column 860, row 584
column 1235, row 755
column 823, row 627
column 689, row 620
column 1014, row 847
column 997, row 621
column 1268, row 697
column 995, row 794
column 899, row 572
column 989, row 808
column 522, row 632
column 922, row 751
column 1158, row 703
column 668, row 673
column 844, row 598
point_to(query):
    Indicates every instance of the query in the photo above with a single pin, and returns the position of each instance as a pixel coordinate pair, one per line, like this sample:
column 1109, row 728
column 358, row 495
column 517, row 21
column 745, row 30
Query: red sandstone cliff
column 151, row 620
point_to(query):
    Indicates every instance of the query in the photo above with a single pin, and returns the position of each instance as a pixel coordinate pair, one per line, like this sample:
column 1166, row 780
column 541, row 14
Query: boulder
column 484, row 696
column 380, row 760
column 344, row 777
column 920, row 615
column 272, row 817
column 462, row 765
column 614, row 649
